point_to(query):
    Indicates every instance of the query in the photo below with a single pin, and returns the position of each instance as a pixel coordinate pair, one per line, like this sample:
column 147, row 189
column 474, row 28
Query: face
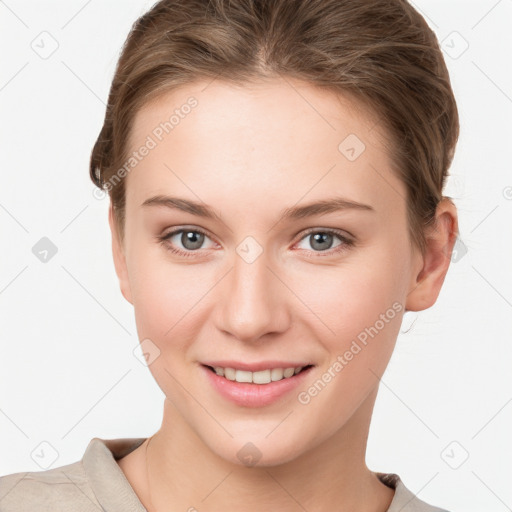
column 265, row 281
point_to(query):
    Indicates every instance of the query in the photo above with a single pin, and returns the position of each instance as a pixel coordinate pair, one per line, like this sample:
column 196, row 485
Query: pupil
column 192, row 239
column 320, row 238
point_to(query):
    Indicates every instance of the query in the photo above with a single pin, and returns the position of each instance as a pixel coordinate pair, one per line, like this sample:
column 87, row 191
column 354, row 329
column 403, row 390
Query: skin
column 249, row 152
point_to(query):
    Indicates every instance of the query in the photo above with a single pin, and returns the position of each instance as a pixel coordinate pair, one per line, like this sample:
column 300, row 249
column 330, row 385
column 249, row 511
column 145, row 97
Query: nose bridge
column 252, row 303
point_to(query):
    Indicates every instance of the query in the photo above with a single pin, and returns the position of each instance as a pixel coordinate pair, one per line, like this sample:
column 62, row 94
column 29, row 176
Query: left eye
column 322, row 240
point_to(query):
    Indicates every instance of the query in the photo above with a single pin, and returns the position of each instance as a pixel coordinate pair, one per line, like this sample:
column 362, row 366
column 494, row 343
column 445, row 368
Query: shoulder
column 96, row 482
column 55, row 489
column 404, row 499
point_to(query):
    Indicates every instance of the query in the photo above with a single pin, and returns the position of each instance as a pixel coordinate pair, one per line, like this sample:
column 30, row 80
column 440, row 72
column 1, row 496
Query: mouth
column 260, row 377
column 256, row 384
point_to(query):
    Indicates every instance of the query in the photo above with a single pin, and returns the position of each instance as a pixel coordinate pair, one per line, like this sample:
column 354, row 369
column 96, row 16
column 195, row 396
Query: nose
column 253, row 301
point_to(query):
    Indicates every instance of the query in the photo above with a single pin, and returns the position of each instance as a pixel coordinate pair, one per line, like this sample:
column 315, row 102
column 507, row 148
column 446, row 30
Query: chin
column 257, row 451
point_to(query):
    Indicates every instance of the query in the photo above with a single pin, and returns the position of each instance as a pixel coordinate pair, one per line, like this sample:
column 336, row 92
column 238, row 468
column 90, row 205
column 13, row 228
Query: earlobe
column 429, row 275
column 119, row 257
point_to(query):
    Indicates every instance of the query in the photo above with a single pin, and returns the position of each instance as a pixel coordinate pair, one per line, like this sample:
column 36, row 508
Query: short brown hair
column 381, row 52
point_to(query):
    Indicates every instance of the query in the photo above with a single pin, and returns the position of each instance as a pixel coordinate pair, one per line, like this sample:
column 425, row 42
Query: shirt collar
column 115, row 493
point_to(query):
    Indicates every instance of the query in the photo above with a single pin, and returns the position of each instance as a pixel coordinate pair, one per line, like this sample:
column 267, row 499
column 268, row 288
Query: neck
column 184, row 473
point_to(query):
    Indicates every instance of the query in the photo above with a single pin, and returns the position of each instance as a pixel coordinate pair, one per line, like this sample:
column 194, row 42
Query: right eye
column 191, row 240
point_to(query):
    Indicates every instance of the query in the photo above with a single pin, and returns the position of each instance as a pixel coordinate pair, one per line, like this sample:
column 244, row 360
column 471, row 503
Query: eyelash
column 345, row 245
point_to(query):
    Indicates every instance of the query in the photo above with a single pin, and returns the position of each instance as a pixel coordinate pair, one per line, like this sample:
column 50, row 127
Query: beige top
column 96, row 483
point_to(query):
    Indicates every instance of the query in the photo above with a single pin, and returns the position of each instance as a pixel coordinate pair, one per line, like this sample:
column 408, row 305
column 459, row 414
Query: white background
column 67, row 368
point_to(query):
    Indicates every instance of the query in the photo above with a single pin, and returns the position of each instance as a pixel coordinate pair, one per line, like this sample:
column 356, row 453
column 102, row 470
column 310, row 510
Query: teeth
column 261, row 377
column 289, row 372
column 229, row 373
column 276, row 374
column 243, row 376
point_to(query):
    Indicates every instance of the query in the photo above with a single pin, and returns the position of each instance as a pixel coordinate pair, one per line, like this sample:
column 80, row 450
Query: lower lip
column 246, row 394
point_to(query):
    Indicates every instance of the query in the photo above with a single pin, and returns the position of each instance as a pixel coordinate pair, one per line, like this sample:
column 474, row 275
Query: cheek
column 362, row 308
column 166, row 297
column 359, row 309
column 352, row 295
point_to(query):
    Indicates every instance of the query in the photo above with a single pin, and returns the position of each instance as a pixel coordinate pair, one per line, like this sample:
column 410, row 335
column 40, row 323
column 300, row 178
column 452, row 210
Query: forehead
column 278, row 139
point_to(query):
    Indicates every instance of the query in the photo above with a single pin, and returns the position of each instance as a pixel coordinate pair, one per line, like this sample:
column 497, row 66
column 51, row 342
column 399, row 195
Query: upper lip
column 257, row 366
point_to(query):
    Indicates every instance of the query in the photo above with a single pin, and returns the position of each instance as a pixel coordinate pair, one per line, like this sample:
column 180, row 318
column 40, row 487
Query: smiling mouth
column 259, row 377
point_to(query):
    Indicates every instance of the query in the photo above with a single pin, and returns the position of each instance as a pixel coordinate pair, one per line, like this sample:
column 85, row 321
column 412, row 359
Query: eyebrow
column 293, row 213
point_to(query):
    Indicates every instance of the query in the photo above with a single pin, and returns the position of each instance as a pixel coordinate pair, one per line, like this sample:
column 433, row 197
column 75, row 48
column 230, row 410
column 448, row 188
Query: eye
column 321, row 240
column 190, row 239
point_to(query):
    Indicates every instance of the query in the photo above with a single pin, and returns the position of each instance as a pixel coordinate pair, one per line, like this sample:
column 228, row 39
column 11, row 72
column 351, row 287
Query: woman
column 239, row 138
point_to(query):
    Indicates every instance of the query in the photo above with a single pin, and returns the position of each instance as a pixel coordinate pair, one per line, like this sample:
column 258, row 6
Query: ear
column 119, row 257
column 429, row 274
